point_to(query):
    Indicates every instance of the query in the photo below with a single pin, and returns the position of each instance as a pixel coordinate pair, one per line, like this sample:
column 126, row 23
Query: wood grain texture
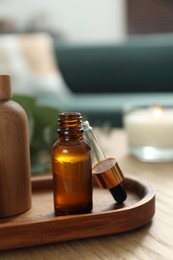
column 151, row 241
column 5, row 87
column 107, row 217
column 15, row 183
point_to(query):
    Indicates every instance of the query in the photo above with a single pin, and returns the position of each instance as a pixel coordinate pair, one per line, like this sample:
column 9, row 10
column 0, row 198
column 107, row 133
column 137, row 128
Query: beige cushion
column 31, row 61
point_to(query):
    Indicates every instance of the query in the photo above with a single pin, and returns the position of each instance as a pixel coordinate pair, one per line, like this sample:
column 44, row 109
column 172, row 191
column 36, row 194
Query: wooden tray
column 40, row 226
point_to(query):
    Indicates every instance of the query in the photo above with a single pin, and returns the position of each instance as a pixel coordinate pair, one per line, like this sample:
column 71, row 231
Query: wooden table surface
column 152, row 241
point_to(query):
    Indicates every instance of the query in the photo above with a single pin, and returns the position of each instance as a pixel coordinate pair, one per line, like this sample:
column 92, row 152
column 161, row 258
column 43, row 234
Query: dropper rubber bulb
column 118, row 192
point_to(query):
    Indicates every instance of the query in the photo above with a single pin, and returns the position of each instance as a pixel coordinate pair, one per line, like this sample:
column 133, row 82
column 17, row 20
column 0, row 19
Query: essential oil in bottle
column 72, row 167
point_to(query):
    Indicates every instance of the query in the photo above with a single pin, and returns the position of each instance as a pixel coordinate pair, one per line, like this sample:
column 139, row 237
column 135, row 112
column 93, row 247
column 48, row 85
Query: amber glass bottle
column 71, row 166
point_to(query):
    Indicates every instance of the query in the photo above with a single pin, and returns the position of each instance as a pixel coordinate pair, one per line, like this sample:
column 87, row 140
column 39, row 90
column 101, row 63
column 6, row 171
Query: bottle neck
column 5, row 87
column 69, row 126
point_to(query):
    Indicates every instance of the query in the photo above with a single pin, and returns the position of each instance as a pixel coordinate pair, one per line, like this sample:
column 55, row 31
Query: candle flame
column 157, row 111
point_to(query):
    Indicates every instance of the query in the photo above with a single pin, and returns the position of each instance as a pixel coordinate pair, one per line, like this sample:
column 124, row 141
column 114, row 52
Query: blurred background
column 102, row 66
column 85, row 21
column 73, row 21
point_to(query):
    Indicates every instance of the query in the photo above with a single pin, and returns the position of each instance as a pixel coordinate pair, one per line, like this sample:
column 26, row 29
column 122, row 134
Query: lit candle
column 150, row 133
column 150, row 127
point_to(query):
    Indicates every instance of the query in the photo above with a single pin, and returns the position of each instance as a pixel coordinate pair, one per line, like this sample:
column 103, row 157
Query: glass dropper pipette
column 106, row 170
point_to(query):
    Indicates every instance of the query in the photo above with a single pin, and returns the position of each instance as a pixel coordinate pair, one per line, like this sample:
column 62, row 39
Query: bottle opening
column 69, row 121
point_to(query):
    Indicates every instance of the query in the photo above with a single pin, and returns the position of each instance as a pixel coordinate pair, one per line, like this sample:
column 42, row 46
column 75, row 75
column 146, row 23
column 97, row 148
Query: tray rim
column 78, row 220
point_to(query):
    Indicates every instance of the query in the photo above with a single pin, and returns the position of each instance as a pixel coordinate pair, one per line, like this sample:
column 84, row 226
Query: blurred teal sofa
column 105, row 78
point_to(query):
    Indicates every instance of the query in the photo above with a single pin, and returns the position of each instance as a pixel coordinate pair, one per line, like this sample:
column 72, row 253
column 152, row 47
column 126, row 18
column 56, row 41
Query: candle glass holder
column 149, row 130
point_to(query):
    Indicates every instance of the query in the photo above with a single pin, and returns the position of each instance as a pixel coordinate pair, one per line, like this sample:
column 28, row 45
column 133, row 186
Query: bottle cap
column 5, row 87
column 108, row 173
column 109, row 176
